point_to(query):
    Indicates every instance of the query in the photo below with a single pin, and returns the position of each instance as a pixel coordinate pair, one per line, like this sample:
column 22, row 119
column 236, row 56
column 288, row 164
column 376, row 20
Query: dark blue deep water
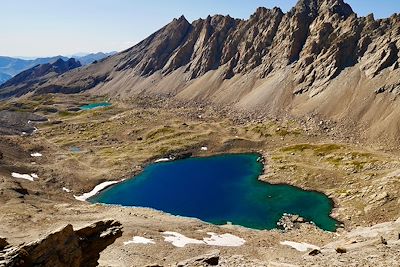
column 218, row 190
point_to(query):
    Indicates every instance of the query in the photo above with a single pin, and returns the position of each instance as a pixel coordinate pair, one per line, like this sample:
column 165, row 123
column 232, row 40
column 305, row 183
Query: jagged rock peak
column 66, row 65
column 181, row 19
column 176, row 22
column 262, row 12
column 316, row 6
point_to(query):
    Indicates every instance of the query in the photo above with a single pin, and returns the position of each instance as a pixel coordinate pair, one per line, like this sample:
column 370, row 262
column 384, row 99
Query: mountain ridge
column 11, row 66
column 318, row 58
column 173, row 46
column 21, row 83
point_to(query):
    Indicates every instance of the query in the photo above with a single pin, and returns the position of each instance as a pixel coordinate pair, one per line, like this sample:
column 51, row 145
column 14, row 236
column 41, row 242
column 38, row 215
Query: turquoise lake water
column 218, row 190
column 95, row 105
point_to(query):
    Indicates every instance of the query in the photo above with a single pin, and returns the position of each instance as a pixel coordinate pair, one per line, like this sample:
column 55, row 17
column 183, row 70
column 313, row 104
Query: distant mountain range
column 4, row 77
column 22, row 82
column 86, row 59
column 10, row 66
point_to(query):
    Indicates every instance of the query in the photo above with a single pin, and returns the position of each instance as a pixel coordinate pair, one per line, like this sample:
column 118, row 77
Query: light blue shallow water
column 218, row 190
column 95, row 105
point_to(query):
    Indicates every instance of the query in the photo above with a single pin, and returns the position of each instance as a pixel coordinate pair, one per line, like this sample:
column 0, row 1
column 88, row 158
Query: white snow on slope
column 95, row 190
column 179, row 240
column 29, row 177
column 139, row 240
column 224, row 240
column 302, row 247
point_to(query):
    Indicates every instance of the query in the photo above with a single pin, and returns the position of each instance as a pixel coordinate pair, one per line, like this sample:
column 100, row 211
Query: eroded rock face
column 317, row 38
column 65, row 247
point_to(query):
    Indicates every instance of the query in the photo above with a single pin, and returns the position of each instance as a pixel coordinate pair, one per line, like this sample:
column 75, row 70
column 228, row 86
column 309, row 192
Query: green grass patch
column 335, row 160
column 322, row 150
column 64, row 114
column 262, row 130
column 358, row 165
column 285, row 132
column 360, row 155
column 159, row 132
column 297, row 148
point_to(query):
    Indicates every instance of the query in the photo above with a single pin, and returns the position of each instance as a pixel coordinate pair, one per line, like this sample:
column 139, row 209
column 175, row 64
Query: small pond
column 219, row 189
column 75, row 149
column 95, row 105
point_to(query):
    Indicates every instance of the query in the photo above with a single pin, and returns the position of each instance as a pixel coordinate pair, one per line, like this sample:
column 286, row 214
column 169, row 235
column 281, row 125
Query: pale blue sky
column 52, row 27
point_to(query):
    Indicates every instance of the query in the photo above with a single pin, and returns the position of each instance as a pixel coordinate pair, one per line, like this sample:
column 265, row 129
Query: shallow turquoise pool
column 218, row 190
column 95, row 105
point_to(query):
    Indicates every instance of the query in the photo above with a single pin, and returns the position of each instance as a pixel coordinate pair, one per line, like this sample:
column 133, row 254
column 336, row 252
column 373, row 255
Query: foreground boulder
column 210, row 259
column 65, row 247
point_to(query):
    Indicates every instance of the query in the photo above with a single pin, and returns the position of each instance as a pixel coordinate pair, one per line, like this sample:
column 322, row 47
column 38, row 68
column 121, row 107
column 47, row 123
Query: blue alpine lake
column 95, row 105
column 219, row 189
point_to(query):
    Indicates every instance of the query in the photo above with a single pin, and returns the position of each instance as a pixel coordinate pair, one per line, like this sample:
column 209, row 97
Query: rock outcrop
column 209, row 259
column 65, row 247
column 3, row 243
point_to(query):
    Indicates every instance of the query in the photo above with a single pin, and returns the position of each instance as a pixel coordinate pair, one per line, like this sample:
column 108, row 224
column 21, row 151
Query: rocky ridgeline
column 318, row 39
column 321, row 36
column 66, row 247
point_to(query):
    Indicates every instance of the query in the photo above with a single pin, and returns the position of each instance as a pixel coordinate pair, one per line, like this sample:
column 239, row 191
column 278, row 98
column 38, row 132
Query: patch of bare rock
column 66, row 247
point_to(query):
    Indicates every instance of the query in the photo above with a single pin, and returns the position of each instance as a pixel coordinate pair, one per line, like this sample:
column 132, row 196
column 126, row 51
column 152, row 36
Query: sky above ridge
column 65, row 27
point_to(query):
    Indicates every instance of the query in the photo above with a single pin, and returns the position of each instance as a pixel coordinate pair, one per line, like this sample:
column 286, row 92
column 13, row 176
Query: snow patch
column 29, row 177
column 224, row 240
column 140, row 240
column 162, row 160
column 66, row 190
column 302, row 247
column 179, row 240
column 36, row 154
column 95, row 190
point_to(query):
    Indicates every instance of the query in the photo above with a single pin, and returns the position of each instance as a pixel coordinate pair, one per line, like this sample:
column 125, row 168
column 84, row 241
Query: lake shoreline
column 186, row 155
